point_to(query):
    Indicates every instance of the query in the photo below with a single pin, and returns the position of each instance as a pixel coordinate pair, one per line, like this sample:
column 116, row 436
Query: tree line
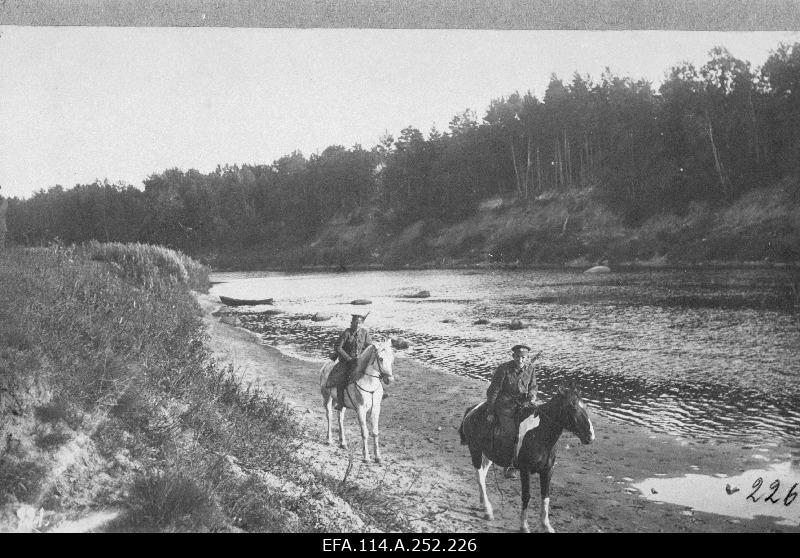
column 707, row 134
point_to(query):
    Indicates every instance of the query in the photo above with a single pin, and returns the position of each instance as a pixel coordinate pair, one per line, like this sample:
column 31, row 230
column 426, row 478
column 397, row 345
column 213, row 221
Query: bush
column 52, row 413
column 19, row 479
column 51, row 440
column 160, row 500
column 149, row 265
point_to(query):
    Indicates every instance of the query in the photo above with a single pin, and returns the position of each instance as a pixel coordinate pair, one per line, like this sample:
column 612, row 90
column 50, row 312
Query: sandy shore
column 429, row 470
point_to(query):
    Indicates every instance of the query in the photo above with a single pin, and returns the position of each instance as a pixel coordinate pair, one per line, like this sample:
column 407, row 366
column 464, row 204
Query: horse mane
column 547, row 407
column 364, row 359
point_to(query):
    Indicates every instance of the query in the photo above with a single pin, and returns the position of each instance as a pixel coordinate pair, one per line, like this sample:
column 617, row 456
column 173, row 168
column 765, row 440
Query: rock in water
column 361, row 301
column 400, row 343
column 598, row 269
column 731, row 489
column 516, row 324
column 320, row 317
column 482, row 321
column 421, row 294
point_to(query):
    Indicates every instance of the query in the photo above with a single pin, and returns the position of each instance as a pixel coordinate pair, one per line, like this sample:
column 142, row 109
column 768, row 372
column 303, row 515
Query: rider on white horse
column 349, row 346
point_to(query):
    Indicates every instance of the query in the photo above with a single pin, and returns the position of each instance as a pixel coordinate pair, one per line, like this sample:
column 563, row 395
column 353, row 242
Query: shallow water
column 706, row 354
column 771, row 492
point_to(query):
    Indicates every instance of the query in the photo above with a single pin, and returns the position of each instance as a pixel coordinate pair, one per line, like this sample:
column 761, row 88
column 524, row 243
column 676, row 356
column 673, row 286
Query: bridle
column 559, row 417
column 569, row 416
column 381, row 372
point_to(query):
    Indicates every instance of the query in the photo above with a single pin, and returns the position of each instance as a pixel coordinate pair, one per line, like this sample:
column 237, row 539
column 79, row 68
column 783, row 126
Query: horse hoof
column 524, row 529
column 489, row 516
column 378, row 460
column 343, row 446
column 549, row 528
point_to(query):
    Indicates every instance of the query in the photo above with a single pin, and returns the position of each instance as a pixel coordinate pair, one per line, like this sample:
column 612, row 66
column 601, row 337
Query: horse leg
column 327, row 401
column 525, row 478
column 374, row 415
column 544, row 485
column 342, row 440
column 477, row 457
column 481, row 473
column 362, row 422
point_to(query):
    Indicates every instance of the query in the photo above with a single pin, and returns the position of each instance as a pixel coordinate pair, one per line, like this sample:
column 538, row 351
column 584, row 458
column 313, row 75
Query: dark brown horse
column 537, row 450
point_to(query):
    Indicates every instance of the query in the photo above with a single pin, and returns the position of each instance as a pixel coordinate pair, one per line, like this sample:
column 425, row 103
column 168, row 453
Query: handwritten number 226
column 788, row 499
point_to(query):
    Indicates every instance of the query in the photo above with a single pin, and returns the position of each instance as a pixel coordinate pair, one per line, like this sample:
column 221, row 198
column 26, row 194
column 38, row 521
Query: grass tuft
column 168, row 500
column 49, row 441
column 20, row 479
column 148, row 265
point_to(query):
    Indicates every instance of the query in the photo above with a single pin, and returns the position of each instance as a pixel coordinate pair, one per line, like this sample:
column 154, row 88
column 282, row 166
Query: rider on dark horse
column 513, row 387
column 349, row 346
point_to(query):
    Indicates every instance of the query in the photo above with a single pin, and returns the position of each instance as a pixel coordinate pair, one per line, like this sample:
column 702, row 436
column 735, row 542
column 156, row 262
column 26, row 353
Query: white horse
column 365, row 394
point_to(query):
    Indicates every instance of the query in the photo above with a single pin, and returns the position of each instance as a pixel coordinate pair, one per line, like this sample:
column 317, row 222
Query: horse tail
column 324, row 374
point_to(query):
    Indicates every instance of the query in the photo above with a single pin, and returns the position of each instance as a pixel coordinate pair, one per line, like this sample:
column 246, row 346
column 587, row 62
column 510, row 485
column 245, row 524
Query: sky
column 84, row 103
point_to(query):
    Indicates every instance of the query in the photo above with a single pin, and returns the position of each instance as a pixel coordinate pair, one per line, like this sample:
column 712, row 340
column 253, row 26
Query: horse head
column 574, row 415
column 379, row 358
column 384, row 360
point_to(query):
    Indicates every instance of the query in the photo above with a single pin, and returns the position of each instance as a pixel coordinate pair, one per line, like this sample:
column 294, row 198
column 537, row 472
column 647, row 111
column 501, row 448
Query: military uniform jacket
column 511, row 386
column 351, row 344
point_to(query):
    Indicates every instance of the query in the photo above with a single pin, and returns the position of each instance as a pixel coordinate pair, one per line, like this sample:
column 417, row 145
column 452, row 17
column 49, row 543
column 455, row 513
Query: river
column 699, row 353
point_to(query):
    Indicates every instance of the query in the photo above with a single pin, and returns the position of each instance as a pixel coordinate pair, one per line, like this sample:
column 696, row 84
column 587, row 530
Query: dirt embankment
column 556, row 228
column 427, row 469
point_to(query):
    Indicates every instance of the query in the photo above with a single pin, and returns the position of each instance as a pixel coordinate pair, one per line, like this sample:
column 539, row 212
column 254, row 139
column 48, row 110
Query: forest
column 707, row 135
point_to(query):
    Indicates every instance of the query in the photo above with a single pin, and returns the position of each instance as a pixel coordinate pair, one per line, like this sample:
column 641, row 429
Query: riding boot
column 510, row 472
column 515, row 457
column 340, row 389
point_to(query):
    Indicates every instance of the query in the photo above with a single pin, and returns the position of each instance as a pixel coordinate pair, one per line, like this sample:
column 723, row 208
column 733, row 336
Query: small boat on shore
column 598, row 269
column 228, row 301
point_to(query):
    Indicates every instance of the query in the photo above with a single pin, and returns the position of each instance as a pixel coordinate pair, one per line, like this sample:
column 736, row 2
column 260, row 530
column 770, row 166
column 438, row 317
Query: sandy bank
column 429, row 471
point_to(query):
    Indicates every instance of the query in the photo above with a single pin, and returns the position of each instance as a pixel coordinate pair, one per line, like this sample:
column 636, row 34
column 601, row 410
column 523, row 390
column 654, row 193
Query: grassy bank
column 569, row 228
column 114, row 412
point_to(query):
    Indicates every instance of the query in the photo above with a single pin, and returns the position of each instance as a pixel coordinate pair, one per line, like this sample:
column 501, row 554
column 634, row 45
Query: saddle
column 337, row 375
column 500, row 448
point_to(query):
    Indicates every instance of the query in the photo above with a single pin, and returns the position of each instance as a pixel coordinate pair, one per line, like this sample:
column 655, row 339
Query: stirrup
column 510, row 472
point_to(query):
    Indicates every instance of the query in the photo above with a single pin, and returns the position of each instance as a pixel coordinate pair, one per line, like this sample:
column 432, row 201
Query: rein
column 556, row 418
column 559, row 417
column 382, row 374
